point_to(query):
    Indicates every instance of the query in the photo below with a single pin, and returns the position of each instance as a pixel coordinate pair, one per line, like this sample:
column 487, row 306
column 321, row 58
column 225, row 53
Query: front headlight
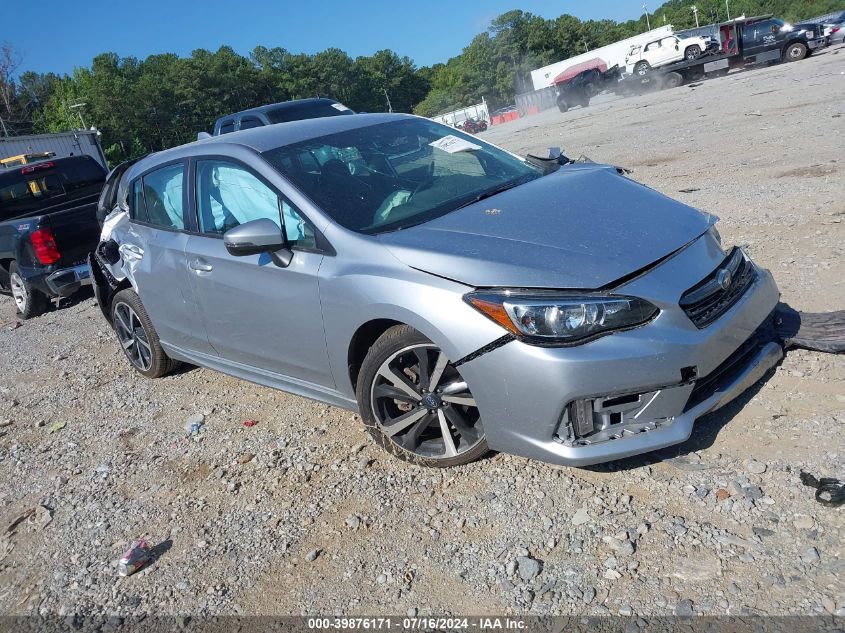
column 555, row 318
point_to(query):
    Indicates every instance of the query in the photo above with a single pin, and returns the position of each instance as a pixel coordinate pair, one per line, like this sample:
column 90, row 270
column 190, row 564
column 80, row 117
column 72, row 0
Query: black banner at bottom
column 480, row 624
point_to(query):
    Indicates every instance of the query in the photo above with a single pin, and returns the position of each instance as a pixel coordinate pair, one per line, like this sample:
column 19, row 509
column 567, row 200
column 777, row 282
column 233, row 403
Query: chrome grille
column 715, row 294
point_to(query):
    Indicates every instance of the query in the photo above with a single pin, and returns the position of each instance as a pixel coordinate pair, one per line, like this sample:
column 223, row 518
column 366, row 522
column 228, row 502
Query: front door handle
column 200, row 265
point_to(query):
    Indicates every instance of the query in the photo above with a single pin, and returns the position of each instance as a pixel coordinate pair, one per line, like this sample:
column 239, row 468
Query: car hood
column 582, row 227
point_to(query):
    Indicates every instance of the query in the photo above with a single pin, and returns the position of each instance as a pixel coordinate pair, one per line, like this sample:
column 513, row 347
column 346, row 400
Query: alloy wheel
column 421, row 402
column 132, row 337
column 19, row 292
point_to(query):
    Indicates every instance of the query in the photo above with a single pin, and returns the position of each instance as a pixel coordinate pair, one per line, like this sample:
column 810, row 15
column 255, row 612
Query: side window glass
column 249, row 122
column 298, row 231
column 138, row 211
column 163, row 196
column 227, row 126
column 749, row 33
column 228, row 195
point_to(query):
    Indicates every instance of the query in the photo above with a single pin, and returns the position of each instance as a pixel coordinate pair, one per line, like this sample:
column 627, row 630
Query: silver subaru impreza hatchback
column 459, row 297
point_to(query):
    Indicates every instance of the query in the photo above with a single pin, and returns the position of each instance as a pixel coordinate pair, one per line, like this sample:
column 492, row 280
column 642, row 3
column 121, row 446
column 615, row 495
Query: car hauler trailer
column 744, row 41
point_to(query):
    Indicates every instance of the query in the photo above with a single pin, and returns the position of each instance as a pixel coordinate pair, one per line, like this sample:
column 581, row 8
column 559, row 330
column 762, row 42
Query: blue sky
column 57, row 35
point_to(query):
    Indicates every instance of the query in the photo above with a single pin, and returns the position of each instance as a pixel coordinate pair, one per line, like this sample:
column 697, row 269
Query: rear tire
column 692, row 53
column 673, row 80
column 415, row 404
column 562, row 105
column 795, row 52
column 29, row 301
column 137, row 336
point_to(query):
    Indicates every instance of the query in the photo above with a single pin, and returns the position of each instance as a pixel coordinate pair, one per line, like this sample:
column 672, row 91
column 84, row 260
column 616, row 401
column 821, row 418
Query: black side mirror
column 256, row 237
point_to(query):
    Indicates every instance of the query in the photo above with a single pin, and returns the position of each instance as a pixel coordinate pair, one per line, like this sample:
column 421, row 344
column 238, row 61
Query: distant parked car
column 279, row 113
column 506, row 110
column 837, row 24
column 667, row 50
column 816, row 30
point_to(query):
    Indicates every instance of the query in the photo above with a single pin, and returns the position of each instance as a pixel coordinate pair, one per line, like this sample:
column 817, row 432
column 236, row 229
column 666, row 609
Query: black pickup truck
column 48, row 225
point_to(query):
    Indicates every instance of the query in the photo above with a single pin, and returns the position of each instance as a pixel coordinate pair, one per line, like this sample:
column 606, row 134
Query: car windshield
column 395, row 175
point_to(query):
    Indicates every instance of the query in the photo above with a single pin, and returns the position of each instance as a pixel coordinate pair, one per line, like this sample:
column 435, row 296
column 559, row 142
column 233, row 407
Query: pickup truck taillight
column 44, row 245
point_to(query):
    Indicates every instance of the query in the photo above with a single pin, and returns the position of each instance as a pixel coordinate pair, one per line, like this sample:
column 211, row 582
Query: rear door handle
column 200, row 265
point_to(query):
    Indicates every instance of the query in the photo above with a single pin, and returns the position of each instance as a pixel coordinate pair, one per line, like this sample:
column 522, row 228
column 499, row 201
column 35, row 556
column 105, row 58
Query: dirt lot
column 719, row 525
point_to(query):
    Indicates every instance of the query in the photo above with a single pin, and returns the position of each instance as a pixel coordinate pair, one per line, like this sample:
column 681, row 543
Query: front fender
column 432, row 305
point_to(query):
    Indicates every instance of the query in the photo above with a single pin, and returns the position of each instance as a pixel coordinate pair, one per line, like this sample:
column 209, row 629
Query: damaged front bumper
column 628, row 393
column 651, row 422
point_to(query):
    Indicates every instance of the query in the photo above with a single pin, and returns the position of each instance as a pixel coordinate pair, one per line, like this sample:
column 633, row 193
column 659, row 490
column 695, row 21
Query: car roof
column 282, row 105
column 267, row 137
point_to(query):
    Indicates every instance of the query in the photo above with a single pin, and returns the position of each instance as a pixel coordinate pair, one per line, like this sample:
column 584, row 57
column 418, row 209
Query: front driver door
column 255, row 312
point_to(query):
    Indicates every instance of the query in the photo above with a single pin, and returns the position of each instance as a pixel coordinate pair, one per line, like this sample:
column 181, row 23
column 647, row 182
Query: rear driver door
column 153, row 249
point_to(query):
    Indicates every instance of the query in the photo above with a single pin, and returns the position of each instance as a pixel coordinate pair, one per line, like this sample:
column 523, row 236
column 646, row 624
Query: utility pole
column 3, row 124
column 695, row 13
column 586, row 48
column 386, row 96
column 647, row 21
column 728, row 10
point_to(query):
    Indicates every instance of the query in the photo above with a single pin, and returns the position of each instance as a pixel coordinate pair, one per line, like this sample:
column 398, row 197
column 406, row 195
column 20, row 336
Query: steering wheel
column 426, row 182
column 365, row 189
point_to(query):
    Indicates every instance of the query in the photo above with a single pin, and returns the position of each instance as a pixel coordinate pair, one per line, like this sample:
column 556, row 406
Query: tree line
column 164, row 100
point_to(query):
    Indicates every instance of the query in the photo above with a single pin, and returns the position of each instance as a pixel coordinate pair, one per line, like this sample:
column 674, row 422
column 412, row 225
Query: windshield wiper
column 492, row 192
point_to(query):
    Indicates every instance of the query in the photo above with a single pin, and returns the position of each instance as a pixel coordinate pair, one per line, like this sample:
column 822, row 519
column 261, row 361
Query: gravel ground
column 301, row 513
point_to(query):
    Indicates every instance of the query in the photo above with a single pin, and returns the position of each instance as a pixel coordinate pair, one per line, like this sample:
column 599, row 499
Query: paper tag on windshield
column 340, row 106
column 453, row 144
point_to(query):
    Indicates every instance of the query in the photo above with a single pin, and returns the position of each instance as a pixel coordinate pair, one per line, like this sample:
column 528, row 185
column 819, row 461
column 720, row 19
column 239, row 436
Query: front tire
column 562, row 105
column 692, row 53
column 138, row 337
column 642, row 68
column 415, row 404
column 29, row 301
column 795, row 52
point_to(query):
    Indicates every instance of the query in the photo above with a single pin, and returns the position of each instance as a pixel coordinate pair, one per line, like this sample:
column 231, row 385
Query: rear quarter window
column 163, row 197
column 249, row 122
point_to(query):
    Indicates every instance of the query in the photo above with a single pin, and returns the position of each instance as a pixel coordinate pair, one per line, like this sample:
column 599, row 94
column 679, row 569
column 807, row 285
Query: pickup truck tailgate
column 76, row 232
